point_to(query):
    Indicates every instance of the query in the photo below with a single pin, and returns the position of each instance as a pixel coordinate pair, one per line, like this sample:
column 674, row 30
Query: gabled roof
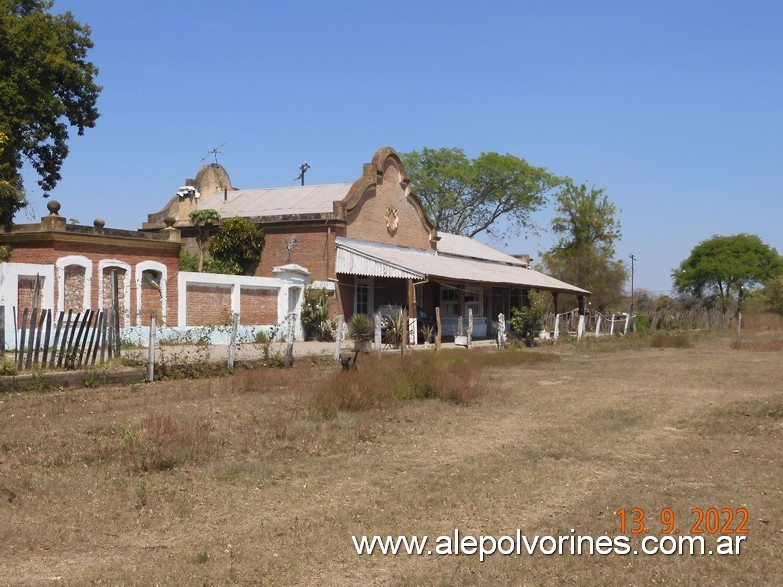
column 356, row 257
column 308, row 199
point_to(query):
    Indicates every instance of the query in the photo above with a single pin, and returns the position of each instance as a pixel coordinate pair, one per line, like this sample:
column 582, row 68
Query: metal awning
column 356, row 257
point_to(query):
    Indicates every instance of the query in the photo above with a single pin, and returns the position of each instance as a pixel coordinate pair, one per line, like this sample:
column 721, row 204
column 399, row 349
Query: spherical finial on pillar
column 99, row 223
column 54, row 207
column 169, row 221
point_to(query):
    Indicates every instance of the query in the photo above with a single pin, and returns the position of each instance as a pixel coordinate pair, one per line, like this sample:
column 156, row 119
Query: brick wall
column 367, row 220
column 258, row 306
column 209, row 304
column 48, row 250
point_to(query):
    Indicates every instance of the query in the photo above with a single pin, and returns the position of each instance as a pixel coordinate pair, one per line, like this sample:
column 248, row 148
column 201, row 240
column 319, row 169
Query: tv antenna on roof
column 302, row 170
column 214, row 151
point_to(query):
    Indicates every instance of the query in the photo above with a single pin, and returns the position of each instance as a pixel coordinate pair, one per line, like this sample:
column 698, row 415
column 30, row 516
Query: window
column 363, row 298
column 473, row 301
column 150, row 279
column 448, row 301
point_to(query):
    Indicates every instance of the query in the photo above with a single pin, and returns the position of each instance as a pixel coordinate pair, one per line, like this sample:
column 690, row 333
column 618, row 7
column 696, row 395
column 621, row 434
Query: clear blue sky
column 674, row 108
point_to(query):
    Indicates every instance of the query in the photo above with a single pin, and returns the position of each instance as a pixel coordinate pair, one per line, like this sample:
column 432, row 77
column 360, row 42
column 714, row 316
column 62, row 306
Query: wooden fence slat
column 2, row 331
column 83, row 343
column 39, row 331
column 99, row 329
column 20, row 348
column 56, row 339
column 64, row 343
column 92, row 337
column 103, row 334
column 31, row 339
column 16, row 335
column 69, row 350
column 46, row 338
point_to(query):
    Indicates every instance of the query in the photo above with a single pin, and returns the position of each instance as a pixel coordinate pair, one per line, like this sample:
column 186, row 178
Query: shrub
column 361, row 329
column 7, row 366
column 641, row 322
column 448, row 376
column 315, row 316
column 526, row 322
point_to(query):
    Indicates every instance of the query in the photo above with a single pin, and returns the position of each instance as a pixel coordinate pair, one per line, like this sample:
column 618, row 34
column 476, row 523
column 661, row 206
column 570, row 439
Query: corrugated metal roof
column 362, row 258
column 464, row 246
column 308, row 199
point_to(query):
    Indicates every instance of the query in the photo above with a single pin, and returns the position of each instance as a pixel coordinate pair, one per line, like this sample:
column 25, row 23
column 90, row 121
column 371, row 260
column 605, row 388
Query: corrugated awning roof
column 372, row 259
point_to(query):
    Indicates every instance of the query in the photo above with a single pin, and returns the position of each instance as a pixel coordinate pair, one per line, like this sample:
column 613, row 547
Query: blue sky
column 674, row 108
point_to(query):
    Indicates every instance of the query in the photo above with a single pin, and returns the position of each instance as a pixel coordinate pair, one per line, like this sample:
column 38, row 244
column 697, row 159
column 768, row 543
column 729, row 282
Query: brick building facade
column 369, row 243
column 74, row 266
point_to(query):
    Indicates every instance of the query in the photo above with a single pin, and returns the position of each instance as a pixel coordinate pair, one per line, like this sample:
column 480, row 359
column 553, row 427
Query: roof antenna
column 214, row 152
column 302, row 170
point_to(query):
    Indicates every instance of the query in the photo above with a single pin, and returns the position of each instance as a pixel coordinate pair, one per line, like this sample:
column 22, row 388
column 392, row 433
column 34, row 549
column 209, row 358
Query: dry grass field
column 263, row 477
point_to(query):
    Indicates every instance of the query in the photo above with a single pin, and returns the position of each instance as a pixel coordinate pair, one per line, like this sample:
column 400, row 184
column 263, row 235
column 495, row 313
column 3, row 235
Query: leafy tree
column 468, row 196
column 723, row 267
column 238, row 243
column 202, row 220
column 46, row 86
column 773, row 294
column 587, row 225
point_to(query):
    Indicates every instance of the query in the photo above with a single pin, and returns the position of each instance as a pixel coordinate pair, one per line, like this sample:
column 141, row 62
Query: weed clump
column 161, row 443
column 450, row 376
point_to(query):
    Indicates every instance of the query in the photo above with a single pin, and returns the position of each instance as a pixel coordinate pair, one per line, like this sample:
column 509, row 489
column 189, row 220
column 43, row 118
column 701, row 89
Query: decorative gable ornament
column 392, row 220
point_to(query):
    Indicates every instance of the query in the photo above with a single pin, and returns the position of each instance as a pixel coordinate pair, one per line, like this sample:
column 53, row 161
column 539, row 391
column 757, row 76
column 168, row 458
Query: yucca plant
column 361, row 329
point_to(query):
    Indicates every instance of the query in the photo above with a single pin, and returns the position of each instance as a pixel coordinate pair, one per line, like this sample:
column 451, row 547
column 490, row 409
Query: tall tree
column 587, row 226
column 46, row 86
column 468, row 196
column 237, row 244
column 203, row 220
column 723, row 267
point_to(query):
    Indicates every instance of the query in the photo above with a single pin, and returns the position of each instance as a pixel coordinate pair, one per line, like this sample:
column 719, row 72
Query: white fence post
column 557, row 326
column 151, row 351
column 598, row 326
column 627, row 319
column 377, row 332
column 338, row 338
column 611, row 329
column 580, row 330
column 289, row 348
column 501, row 331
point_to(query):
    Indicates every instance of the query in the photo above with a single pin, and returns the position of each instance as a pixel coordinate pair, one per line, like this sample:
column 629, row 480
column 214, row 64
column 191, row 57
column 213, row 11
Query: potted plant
column 361, row 330
column 460, row 337
column 427, row 332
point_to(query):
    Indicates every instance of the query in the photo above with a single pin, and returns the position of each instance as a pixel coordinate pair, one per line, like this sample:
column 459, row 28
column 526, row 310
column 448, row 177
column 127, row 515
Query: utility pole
column 302, row 170
column 632, row 262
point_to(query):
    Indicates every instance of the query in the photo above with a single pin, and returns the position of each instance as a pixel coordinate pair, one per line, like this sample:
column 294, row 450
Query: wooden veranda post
column 412, row 314
column 404, row 337
column 437, row 334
